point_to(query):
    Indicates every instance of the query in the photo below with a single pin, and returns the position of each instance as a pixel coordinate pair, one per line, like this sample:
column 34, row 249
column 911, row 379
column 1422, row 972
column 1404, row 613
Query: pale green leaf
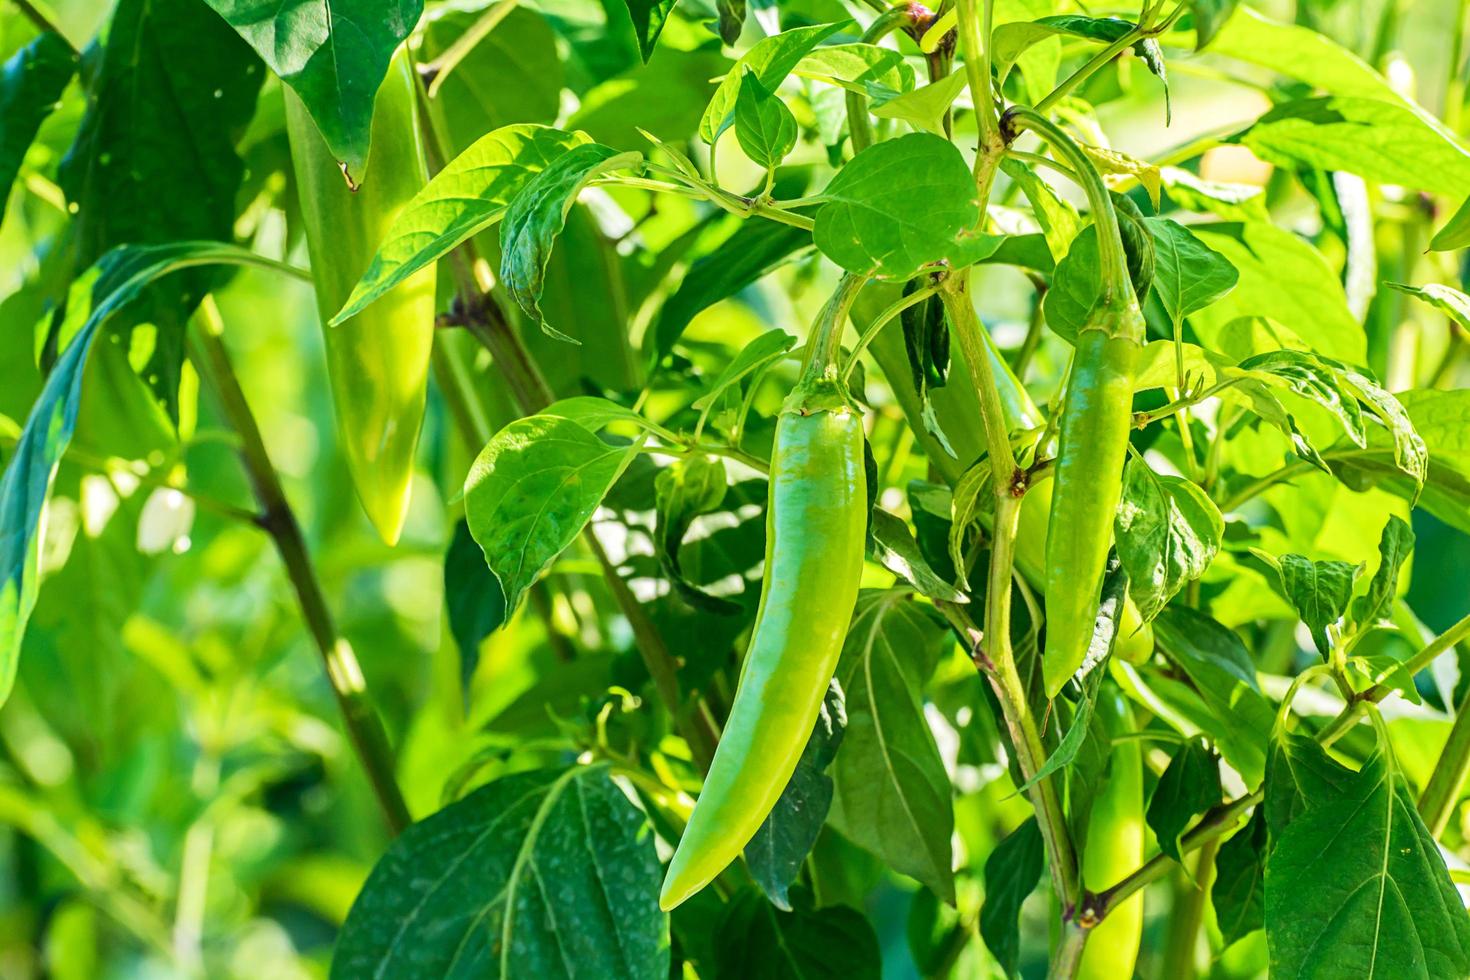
column 771, row 59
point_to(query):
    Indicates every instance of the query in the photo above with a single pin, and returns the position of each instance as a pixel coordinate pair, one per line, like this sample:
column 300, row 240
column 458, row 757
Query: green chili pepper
column 378, row 361
column 1115, row 845
column 816, row 522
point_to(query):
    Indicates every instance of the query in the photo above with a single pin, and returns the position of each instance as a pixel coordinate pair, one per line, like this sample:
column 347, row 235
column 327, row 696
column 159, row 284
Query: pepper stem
column 825, row 342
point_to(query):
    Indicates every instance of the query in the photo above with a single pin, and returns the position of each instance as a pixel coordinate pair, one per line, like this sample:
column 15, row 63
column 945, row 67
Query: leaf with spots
column 550, row 874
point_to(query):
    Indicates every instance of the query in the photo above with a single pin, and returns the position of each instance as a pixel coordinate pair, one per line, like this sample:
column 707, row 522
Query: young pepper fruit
column 378, row 361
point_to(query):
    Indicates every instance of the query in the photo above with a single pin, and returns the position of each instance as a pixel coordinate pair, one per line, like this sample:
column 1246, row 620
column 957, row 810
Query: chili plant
column 805, row 489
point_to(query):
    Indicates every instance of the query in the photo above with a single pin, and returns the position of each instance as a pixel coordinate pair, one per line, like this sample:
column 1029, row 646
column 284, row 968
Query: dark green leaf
column 536, row 215
column 31, row 83
column 1189, row 786
column 333, row 54
column 750, row 253
column 763, row 125
column 530, row 492
column 754, row 939
column 1209, row 16
column 1168, row 532
column 649, row 17
column 1320, row 591
column 684, row 491
column 476, row 604
column 1152, row 55
column 550, row 873
column 926, row 340
column 462, row 200
column 1393, row 550
column 1074, row 287
column 893, row 794
column 776, row 852
column 1239, row 891
column 1012, row 872
column 869, row 222
column 111, row 285
column 1356, row 886
column 1300, row 776
column 1188, row 274
column 732, row 19
column 896, row 550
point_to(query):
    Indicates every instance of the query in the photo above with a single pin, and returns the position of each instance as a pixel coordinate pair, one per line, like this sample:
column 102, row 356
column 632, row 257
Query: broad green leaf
column 1209, row 17
column 1356, row 886
column 896, row 550
column 683, row 491
column 1012, row 872
column 512, row 75
column 1312, row 379
column 1379, row 141
column 1393, row 551
column 536, row 215
column 853, row 66
column 154, row 160
column 1058, row 219
column 1220, row 668
column 649, row 17
column 593, row 413
column 776, row 853
column 474, row 600
column 763, row 125
column 893, row 795
column 462, row 200
column 1410, row 454
column 1281, row 279
column 1074, row 287
column 1320, row 592
column 869, row 224
column 333, row 54
column 1447, row 299
column 924, row 107
column 1456, row 231
column 1239, row 891
column 1228, row 201
column 1189, row 786
column 530, row 492
column 771, row 59
column 548, row 873
column 754, row 939
column 765, row 349
column 1012, row 40
column 118, row 278
column 31, row 83
column 1301, row 776
column 756, row 248
column 1168, row 531
column 1188, row 274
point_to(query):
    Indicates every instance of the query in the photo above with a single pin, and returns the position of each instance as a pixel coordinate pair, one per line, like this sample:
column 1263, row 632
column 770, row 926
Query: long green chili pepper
column 815, row 525
column 1093, row 433
column 378, row 361
column 1115, row 845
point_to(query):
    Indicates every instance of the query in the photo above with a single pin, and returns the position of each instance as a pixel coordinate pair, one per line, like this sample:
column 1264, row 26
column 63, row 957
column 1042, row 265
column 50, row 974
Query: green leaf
column 754, row 939
column 682, row 492
column 333, row 54
column 1301, row 776
column 1011, row 40
column 512, row 75
column 1168, row 532
column 731, row 19
column 1220, row 668
column 1315, row 380
column 1356, row 886
column 154, row 160
column 776, row 852
column 1188, row 274
column 1071, row 744
column 763, row 125
column 869, row 223
column 530, row 492
column 1284, row 280
column 649, row 17
column 895, row 549
column 1057, row 217
column 1189, row 786
column 924, row 107
column 1239, row 891
column 761, row 352
column 462, row 200
column 756, row 248
column 1393, row 550
column 117, row 279
column 853, row 66
column 1455, row 233
column 1447, row 299
column 549, row 873
column 771, row 59
column 1378, row 140
column 1012, row 872
column 1209, row 16
column 474, row 599
column 893, row 794
column 537, row 214
column 1074, row 287
column 31, row 83
column 1319, row 591
column 1229, row 201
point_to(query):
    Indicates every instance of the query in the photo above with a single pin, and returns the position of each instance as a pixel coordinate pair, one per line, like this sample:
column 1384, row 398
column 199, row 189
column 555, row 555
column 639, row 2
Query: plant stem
column 966, row 329
column 1189, row 908
column 976, row 50
column 1067, row 957
column 1447, row 782
column 364, row 728
column 437, row 70
column 859, row 126
column 825, row 342
column 1106, row 55
column 881, row 321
